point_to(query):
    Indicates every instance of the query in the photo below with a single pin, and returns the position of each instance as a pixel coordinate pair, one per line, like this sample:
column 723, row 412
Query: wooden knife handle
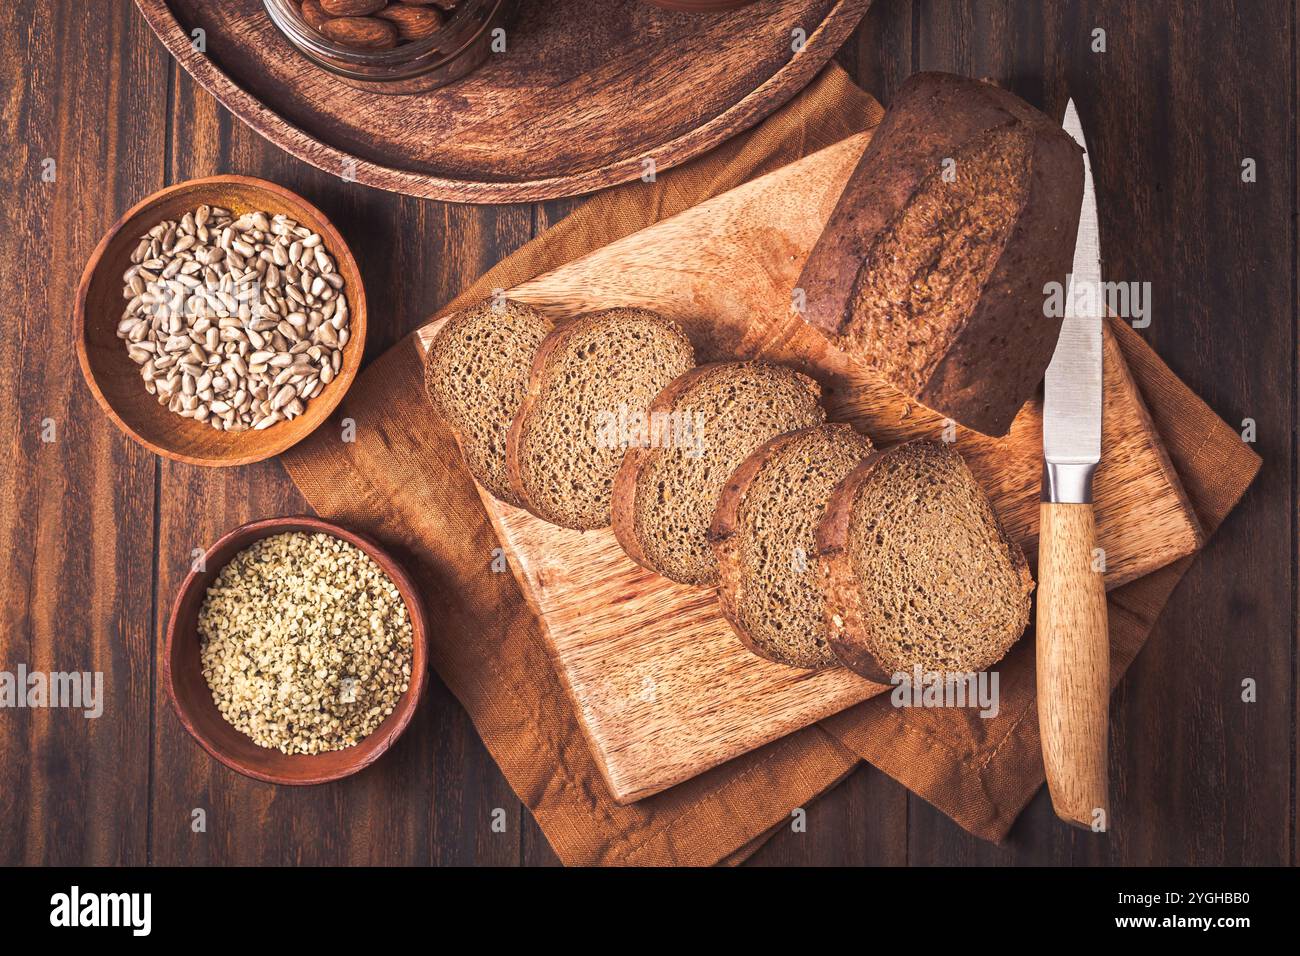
column 1073, row 665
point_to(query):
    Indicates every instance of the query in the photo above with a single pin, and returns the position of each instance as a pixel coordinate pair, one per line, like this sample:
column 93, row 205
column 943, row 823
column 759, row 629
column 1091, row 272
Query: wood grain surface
column 1181, row 96
column 1072, row 660
column 664, row 688
column 585, row 93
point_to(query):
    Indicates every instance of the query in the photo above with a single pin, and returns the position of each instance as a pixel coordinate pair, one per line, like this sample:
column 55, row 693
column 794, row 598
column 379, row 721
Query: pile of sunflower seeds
column 237, row 322
column 305, row 643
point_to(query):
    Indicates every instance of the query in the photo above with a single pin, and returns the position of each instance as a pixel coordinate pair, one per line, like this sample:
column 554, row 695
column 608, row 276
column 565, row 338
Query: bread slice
column 712, row 418
column 476, row 373
column 916, row 570
column 591, row 383
column 932, row 267
column 763, row 536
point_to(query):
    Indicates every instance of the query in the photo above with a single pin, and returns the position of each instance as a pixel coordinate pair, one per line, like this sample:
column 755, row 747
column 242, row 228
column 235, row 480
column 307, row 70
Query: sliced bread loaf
column 708, row 421
column 763, row 536
column 476, row 373
column 932, row 267
column 915, row 568
column 591, row 383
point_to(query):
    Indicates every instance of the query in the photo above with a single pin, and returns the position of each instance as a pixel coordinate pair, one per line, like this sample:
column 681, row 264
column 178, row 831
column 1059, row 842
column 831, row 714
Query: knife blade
column 1073, row 649
column 1072, row 388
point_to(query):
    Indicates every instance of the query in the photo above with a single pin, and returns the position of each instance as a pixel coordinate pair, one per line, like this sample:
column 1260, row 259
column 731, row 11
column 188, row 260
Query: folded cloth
column 401, row 481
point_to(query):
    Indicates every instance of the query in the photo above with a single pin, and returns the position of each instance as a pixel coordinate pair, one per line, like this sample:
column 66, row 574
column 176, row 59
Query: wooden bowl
column 192, row 698
column 115, row 379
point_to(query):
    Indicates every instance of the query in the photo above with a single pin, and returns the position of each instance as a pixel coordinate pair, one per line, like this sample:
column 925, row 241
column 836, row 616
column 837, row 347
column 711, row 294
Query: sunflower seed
column 234, row 322
column 282, row 397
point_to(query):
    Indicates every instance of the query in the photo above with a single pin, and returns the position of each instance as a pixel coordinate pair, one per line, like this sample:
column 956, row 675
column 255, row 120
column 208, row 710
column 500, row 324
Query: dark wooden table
column 96, row 533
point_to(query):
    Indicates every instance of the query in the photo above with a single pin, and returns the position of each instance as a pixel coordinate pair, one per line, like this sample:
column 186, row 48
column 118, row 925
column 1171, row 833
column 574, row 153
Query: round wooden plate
column 586, row 92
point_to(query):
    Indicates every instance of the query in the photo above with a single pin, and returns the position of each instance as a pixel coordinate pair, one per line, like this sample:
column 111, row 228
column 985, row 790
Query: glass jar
column 457, row 49
column 700, row 6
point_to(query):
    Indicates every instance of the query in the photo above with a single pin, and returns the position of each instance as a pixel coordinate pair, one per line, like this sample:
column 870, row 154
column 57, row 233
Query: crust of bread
column 726, row 544
column 624, row 498
column 625, row 482
column 840, row 597
column 506, row 494
column 999, row 353
column 623, row 502
column 537, row 382
column 532, row 396
column 841, row 593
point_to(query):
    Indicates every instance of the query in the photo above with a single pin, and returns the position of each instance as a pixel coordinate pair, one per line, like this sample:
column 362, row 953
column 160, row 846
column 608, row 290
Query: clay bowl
column 115, row 379
column 192, row 699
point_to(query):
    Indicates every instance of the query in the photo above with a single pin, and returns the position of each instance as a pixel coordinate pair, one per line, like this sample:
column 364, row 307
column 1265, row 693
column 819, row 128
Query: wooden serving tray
column 663, row 687
column 586, row 91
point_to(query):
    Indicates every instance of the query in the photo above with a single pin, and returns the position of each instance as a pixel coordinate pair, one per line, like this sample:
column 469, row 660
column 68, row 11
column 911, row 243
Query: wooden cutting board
column 663, row 688
column 584, row 95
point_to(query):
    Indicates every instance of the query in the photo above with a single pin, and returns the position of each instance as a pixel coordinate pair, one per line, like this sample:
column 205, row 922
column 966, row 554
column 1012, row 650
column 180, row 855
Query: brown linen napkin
column 401, row 480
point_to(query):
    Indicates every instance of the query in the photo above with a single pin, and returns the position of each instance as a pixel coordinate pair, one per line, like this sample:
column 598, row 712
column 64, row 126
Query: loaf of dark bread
column 932, row 267
column 591, row 384
column 763, row 535
column 713, row 417
column 916, row 570
column 476, row 373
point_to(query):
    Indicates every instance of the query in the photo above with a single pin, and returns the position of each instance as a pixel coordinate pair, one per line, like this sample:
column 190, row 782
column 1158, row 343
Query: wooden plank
column 664, row 690
column 860, row 822
column 1199, row 777
column 1008, row 43
column 1295, row 426
column 76, row 524
column 432, row 799
column 1205, row 777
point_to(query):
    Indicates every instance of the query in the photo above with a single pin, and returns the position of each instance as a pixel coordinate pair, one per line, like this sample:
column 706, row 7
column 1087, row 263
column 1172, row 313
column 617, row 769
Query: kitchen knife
column 1073, row 650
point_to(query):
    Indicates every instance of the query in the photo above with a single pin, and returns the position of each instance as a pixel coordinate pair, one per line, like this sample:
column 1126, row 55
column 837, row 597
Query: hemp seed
column 306, row 643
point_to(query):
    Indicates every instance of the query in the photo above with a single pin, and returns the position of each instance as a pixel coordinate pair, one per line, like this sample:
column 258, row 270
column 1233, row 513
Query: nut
column 314, row 14
column 351, row 8
column 376, row 24
column 364, row 33
column 413, row 23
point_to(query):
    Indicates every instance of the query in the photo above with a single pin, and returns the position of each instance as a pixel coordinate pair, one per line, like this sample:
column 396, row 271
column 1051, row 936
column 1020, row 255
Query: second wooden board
column 663, row 687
